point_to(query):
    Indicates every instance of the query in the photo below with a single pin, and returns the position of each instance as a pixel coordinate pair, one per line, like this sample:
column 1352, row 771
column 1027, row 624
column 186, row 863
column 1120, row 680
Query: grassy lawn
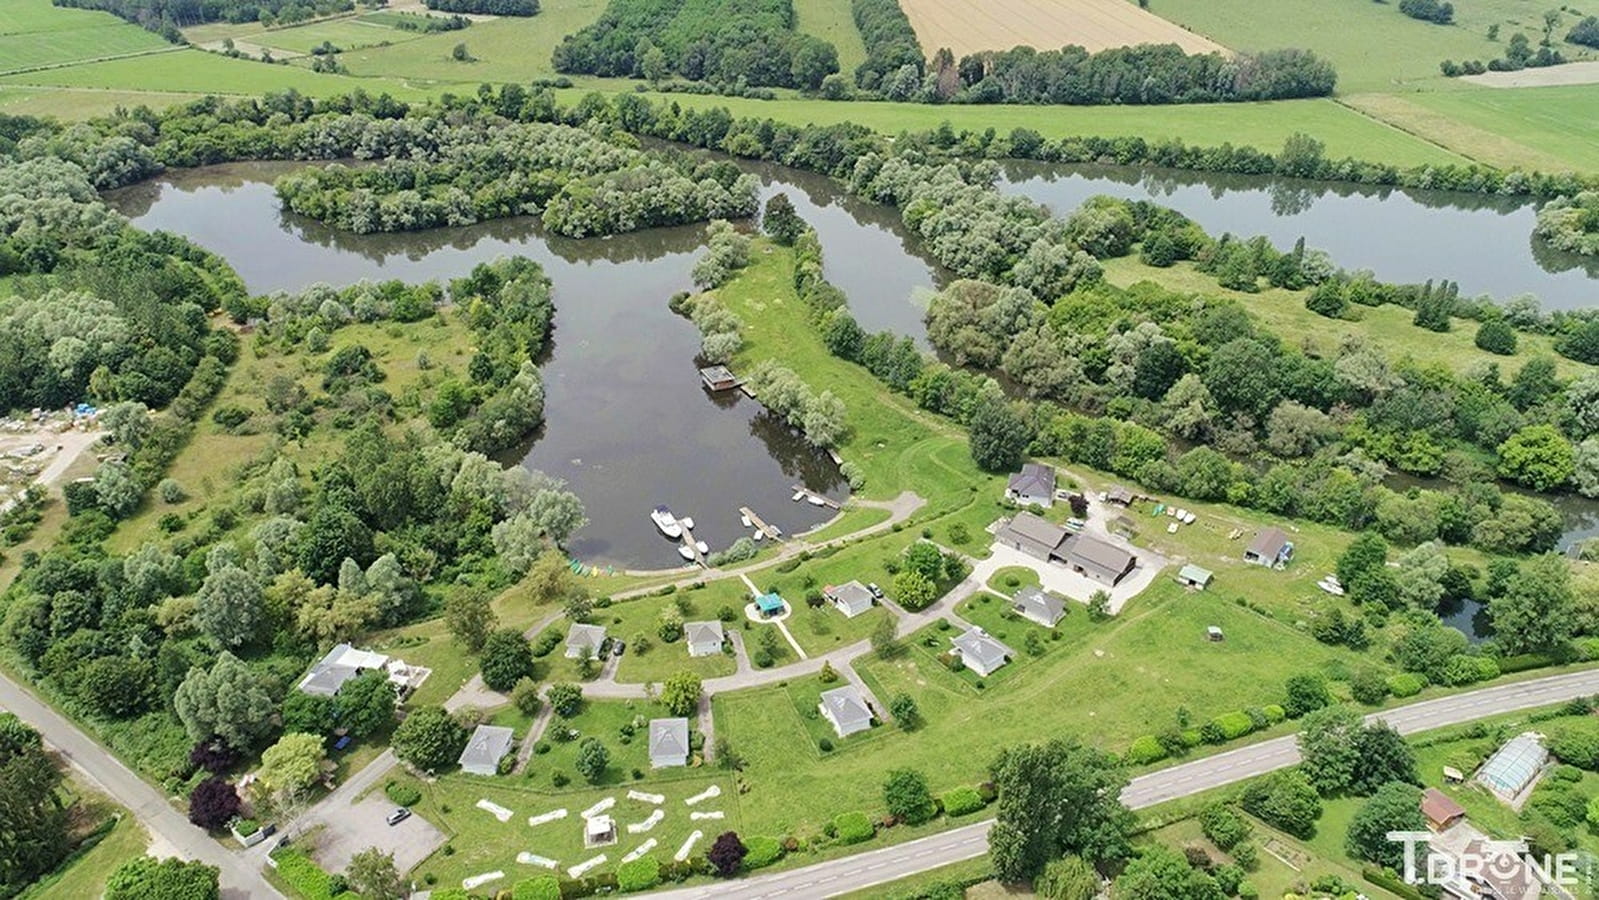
column 850, row 521
column 1011, row 579
column 608, row 720
column 36, row 33
column 76, row 105
column 479, row 843
column 632, row 618
column 1273, row 877
column 831, row 21
column 85, row 875
column 821, row 629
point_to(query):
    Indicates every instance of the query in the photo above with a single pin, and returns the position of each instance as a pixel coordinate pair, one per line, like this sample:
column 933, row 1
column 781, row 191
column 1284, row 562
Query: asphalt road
column 171, row 829
column 863, row 870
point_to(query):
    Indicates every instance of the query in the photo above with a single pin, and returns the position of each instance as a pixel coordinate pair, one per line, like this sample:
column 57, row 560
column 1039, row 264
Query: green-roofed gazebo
column 770, row 604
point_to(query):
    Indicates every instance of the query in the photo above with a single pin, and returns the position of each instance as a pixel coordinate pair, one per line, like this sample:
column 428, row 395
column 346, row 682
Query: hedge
column 853, row 827
column 1234, row 724
column 1275, row 713
column 445, row 894
column 539, row 887
column 1523, row 662
column 961, row 801
column 1406, row 684
column 639, row 875
column 1391, row 883
column 307, row 878
column 1587, row 648
column 402, row 794
column 1145, row 750
column 761, row 852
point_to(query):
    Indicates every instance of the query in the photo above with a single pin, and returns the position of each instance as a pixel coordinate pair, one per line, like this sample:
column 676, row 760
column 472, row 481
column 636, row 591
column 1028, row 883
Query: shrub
column 1406, row 684
column 962, row 800
column 761, row 852
column 639, row 875
column 401, row 794
column 540, row 887
column 853, row 828
column 1146, row 750
column 306, row 877
column 1234, row 725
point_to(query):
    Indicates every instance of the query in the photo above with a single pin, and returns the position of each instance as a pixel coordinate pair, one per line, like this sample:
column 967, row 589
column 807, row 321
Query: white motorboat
column 759, row 535
column 686, row 552
column 816, row 499
column 688, row 522
column 664, row 520
column 744, row 520
column 798, row 496
column 702, row 546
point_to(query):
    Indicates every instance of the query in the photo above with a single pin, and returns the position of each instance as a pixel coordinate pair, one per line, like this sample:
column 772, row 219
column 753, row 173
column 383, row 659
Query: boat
column 663, row 519
column 817, row 500
column 684, row 551
column 759, row 535
column 702, row 546
column 688, row 522
column 745, row 520
column 798, row 496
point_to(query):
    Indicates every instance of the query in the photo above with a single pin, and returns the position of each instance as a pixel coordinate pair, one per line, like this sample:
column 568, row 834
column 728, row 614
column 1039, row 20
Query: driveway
column 363, row 825
column 1058, row 579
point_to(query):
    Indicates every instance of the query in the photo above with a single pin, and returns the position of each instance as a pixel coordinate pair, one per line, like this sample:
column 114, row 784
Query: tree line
column 165, row 17
column 486, row 7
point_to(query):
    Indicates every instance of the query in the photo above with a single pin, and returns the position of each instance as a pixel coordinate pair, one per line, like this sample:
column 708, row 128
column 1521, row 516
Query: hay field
column 967, row 26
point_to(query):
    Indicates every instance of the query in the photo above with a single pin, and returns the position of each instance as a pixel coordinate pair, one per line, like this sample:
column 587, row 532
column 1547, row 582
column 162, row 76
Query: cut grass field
column 197, row 71
column 506, row 50
column 967, row 28
column 347, row 34
column 1547, row 128
column 832, row 21
column 34, row 33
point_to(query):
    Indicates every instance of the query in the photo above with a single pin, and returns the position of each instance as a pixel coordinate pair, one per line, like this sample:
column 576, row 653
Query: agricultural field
column 832, row 21
column 1545, row 128
column 347, row 34
column 504, row 50
column 34, row 34
column 197, row 71
column 967, row 28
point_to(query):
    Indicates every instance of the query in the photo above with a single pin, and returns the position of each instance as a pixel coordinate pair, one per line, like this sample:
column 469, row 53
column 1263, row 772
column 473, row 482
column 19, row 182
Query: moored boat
column 666, row 522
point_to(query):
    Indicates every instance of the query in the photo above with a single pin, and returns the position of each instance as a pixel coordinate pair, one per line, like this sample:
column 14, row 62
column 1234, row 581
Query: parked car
column 875, row 591
column 399, row 815
column 269, row 830
column 619, row 649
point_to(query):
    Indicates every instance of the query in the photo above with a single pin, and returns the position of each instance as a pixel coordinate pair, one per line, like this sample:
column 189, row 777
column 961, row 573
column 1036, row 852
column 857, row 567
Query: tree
column 885, row 638
column 525, row 697
column 1496, row 336
column 1067, row 878
column 565, row 698
column 364, row 705
column 592, row 758
column 1384, row 757
column 228, row 701
column 117, row 686
column 913, row 590
column 1055, row 798
column 1285, row 800
column 1305, row 693
column 1538, row 456
column 1329, row 748
column 144, row 877
column 726, row 854
column 999, row 437
column 1242, row 376
column 372, row 874
column 506, row 658
column 459, row 53
column 34, row 838
column 1537, row 610
column 469, row 615
column 1367, row 552
column 680, row 693
column 1395, row 806
column 906, row 795
column 213, row 803
column 1161, row 873
column 293, row 763
column 653, row 64
column 229, row 606
column 781, row 221
column 429, row 739
column 309, row 713
column 902, row 707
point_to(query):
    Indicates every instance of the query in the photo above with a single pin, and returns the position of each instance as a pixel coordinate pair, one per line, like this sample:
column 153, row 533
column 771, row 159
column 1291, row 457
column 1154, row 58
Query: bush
column 1406, row 684
column 1234, row 725
column 1146, row 750
column 961, row 801
column 1274, row 713
column 306, row 877
column 853, row 828
column 1496, row 336
column 401, row 794
column 639, row 875
column 762, row 852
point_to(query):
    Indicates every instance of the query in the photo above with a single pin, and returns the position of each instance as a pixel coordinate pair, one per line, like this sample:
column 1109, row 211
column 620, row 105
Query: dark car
column 269, row 830
column 619, row 648
column 399, row 815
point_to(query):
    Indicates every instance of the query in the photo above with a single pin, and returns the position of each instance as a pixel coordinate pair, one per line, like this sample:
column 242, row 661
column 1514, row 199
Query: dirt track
column 966, row 26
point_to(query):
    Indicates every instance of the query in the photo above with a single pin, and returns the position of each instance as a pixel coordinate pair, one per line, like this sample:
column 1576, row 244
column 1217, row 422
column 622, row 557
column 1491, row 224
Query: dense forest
column 889, row 38
column 748, row 42
column 167, row 16
column 486, row 7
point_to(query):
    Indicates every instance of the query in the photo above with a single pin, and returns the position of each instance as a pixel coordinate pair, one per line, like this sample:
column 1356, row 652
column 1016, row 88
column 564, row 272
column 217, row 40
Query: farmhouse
column 344, row 662
column 1032, row 603
column 483, row 752
column 1269, row 548
column 703, row 638
column 1100, row 560
column 851, row 598
column 1034, row 485
column 846, row 710
column 668, row 742
column 1440, row 810
column 980, row 652
column 584, row 640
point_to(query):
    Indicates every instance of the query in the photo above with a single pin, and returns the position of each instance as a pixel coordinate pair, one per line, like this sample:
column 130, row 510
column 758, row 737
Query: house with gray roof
column 668, row 742
column 703, row 638
column 852, row 598
column 981, row 652
column 483, row 752
column 1100, row 560
column 584, row 640
column 1033, row 604
column 1269, row 548
column 1033, row 536
column 846, row 709
column 345, row 662
column 1034, row 485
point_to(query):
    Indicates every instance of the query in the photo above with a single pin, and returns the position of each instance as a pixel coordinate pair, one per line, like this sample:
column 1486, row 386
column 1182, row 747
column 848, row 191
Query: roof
column 1040, row 605
column 852, row 595
column 704, row 632
column 1505, row 872
column 1439, row 807
column 1269, row 543
column 1512, row 766
column 1033, row 480
column 977, row 645
column 1120, row 494
column 488, row 746
column 1194, row 573
column 769, row 602
column 1035, row 530
column 581, row 635
column 1092, row 553
column 846, row 707
column 717, row 373
column 669, row 738
column 339, row 665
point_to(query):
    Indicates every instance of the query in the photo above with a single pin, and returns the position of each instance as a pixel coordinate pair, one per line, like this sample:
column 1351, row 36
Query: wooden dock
column 802, row 489
column 771, row 531
column 689, row 542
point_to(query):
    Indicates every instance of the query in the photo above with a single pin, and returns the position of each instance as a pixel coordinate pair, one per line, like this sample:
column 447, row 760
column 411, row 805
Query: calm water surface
column 628, row 425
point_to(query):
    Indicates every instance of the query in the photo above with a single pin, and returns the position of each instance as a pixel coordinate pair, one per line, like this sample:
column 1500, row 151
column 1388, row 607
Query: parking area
column 1058, row 579
column 364, row 825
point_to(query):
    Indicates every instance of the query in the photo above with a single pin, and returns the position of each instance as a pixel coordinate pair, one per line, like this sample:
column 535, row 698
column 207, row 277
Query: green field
column 509, row 49
column 346, row 34
column 197, row 71
column 831, row 21
column 34, row 33
column 1549, row 128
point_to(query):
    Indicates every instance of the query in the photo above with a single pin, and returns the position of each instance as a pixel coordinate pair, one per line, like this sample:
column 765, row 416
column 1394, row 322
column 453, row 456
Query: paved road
column 863, row 870
column 172, row 832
